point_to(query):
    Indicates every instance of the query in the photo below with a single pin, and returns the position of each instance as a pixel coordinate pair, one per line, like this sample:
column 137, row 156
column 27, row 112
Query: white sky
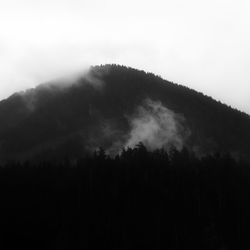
column 201, row 44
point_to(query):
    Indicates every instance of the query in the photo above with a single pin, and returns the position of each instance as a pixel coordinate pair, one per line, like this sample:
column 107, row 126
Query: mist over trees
column 139, row 199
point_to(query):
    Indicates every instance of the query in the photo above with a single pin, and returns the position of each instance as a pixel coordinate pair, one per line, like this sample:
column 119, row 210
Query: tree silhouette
column 137, row 199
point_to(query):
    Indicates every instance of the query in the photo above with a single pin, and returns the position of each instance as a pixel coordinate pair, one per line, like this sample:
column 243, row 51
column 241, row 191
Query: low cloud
column 91, row 76
column 156, row 126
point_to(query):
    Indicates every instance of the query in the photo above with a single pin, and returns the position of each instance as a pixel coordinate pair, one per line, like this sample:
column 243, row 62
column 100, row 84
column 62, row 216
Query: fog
column 156, row 127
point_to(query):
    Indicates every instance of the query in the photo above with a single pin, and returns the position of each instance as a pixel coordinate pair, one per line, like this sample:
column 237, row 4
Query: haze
column 201, row 44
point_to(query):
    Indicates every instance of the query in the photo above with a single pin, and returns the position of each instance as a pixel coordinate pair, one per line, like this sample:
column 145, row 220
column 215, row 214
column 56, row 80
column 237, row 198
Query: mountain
column 113, row 106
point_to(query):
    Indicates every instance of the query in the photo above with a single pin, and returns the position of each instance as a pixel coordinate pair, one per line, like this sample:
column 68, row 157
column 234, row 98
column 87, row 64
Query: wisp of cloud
column 156, row 127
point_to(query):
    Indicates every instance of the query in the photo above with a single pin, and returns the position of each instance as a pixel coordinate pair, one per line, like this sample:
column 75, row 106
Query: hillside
column 113, row 107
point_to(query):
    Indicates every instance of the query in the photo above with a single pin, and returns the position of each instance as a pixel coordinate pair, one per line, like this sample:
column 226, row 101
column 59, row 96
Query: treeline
column 136, row 200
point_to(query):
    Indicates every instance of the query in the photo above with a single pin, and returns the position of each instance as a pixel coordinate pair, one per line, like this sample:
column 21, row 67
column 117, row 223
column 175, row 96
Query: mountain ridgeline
column 114, row 107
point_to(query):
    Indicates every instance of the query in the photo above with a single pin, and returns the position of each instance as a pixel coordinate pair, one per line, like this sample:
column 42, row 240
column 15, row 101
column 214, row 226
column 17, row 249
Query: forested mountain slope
column 114, row 106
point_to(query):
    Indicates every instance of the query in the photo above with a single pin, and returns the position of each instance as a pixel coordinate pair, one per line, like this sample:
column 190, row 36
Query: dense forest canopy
column 136, row 200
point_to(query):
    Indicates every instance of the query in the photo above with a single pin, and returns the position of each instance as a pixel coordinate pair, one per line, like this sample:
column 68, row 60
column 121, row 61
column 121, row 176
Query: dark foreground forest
column 137, row 200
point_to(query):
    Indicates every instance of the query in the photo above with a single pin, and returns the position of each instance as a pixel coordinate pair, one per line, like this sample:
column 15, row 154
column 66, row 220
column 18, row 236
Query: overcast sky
column 204, row 45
